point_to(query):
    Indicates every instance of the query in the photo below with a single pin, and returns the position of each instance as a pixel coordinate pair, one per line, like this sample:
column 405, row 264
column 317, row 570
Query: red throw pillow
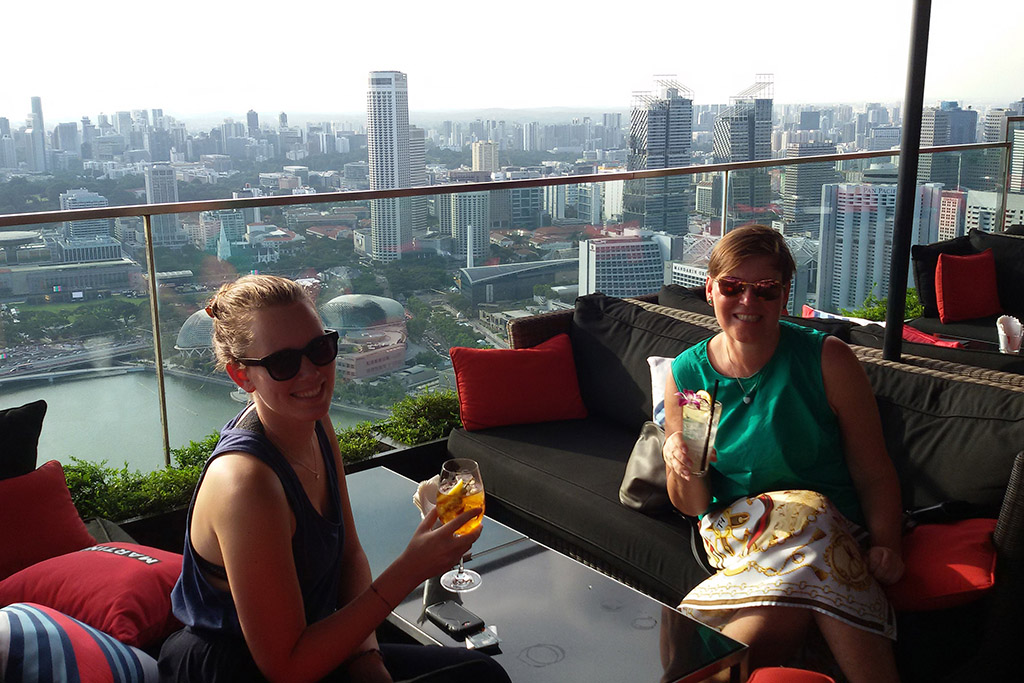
column 782, row 674
column 517, row 386
column 122, row 589
column 965, row 287
column 947, row 565
column 39, row 519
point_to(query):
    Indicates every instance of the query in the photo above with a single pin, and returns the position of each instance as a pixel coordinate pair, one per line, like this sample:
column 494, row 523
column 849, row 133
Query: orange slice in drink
column 705, row 399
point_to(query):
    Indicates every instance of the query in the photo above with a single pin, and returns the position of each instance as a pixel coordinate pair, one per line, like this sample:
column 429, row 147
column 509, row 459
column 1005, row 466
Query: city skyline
column 542, row 55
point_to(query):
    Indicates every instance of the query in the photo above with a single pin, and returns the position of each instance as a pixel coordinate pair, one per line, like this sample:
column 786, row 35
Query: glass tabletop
column 386, row 517
column 558, row 619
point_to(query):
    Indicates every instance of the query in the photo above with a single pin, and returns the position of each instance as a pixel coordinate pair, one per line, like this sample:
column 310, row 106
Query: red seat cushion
column 123, row 589
column 965, row 287
column 39, row 521
column 947, row 565
column 782, row 674
column 517, row 386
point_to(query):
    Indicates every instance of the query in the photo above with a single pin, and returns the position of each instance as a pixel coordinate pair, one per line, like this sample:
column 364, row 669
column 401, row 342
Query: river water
column 117, row 418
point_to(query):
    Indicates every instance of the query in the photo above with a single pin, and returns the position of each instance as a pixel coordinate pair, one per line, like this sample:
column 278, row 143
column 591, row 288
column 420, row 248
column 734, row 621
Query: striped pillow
column 41, row 645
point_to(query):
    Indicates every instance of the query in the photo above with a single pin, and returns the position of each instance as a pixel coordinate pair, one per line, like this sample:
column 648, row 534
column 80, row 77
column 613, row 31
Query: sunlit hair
column 750, row 241
column 234, row 306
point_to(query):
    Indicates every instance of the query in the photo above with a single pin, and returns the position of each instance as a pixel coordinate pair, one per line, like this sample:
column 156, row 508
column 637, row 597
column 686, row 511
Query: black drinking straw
column 707, row 436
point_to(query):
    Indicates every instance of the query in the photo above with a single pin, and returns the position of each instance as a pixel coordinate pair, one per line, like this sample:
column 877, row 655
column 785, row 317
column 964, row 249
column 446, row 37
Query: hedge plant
column 117, row 493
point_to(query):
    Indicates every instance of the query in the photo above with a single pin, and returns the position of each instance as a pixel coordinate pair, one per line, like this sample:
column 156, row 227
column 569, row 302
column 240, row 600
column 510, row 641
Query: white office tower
column 952, row 214
column 1017, row 163
column 87, row 229
column 883, row 138
column 485, row 156
column 418, row 175
column 387, row 141
column 743, row 132
column 660, row 136
column 8, row 152
column 621, row 266
column 162, row 188
column 995, row 124
column 856, row 239
column 470, row 217
column 982, row 211
column 801, row 187
column 589, row 203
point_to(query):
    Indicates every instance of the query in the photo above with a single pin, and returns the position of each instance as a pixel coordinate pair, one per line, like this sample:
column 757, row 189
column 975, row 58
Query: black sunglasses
column 767, row 290
column 284, row 364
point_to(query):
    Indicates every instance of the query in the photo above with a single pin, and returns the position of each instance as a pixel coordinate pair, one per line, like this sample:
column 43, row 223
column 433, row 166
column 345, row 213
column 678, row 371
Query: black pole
column 906, row 192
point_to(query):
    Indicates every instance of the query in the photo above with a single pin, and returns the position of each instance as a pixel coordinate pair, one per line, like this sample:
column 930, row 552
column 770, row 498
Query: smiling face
column 306, row 396
column 745, row 317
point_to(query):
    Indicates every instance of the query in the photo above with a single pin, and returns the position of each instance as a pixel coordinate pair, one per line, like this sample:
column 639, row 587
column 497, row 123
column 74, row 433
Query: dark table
column 558, row 619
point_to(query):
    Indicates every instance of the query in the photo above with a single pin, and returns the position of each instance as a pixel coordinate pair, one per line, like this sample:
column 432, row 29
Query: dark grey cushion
column 19, row 436
column 949, row 440
column 1008, row 251
column 566, row 475
column 611, row 341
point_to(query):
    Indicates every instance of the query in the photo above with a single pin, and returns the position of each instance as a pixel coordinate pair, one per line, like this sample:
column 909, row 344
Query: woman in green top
column 798, row 472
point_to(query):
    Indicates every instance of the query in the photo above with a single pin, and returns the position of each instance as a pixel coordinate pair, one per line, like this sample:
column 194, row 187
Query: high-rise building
column 856, row 239
column 952, row 214
column 387, row 138
column 87, row 229
column 621, row 266
column 470, row 216
column 252, row 121
column 983, row 211
column 946, row 124
column 37, row 113
column 66, row 138
column 995, row 124
column 418, row 175
column 884, row 137
column 282, row 120
column 8, row 152
column 485, row 156
column 743, row 132
column 123, row 123
column 5, row 126
column 35, row 149
column 1017, row 163
column 801, row 187
column 660, row 136
column 162, row 188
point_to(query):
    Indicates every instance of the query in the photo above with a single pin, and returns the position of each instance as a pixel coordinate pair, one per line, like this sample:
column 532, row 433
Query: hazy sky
column 192, row 57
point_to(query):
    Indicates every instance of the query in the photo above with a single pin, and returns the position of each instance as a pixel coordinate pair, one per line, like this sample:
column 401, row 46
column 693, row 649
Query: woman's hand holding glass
column 677, row 458
column 439, row 549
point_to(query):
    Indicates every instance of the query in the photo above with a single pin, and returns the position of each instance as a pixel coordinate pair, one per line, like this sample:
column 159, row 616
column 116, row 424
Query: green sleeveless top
column 787, row 437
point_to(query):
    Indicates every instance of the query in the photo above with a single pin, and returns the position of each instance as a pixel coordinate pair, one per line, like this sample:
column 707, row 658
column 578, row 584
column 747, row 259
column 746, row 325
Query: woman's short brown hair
column 748, row 241
column 234, row 305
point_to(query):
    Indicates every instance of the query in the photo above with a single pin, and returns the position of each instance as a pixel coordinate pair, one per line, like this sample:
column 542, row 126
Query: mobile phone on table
column 454, row 619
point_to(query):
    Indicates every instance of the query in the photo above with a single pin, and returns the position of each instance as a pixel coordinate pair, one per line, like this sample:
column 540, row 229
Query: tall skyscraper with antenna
column 387, row 141
column 743, row 132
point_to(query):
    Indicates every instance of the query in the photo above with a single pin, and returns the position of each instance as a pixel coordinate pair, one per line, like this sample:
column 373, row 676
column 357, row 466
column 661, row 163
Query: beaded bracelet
column 382, row 598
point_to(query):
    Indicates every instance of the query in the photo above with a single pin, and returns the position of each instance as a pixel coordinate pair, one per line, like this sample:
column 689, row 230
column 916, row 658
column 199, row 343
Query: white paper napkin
column 1010, row 331
column 425, row 497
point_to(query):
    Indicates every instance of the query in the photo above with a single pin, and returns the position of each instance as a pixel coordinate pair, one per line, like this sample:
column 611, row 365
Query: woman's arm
column 245, row 507
column 850, row 396
column 689, row 494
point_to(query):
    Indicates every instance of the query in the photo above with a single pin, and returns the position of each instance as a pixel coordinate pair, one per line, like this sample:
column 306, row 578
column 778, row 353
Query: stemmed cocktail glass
column 460, row 489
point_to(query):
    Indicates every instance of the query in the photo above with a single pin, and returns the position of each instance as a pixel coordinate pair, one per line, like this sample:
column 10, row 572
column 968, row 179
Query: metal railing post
column 158, row 352
column 725, row 201
column 906, row 192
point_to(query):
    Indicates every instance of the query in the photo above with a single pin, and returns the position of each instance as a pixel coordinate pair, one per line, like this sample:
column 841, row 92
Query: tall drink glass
column 696, row 422
column 461, row 488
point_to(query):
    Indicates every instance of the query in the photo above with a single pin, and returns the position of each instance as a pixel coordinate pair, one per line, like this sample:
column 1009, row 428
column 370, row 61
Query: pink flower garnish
column 687, row 397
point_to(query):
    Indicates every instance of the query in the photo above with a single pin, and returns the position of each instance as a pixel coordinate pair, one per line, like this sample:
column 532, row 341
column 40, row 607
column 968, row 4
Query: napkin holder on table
column 1010, row 332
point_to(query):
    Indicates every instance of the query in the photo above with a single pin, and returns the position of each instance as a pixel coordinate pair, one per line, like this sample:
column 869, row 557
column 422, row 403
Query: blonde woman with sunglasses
column 275, row 584
column 800, row 509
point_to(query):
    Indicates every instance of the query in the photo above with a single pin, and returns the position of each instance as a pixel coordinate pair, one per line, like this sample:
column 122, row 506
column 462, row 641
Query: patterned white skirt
column 788, row 548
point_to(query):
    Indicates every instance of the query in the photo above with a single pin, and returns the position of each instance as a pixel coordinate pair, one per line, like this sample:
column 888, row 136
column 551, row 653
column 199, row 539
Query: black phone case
column 454, row 619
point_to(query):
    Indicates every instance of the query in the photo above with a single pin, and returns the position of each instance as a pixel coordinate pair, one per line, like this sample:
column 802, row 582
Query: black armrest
column 1008, row 537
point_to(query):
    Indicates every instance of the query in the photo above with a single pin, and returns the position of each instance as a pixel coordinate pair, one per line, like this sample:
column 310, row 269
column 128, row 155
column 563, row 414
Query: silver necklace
column 316, row 471
column 747, row 395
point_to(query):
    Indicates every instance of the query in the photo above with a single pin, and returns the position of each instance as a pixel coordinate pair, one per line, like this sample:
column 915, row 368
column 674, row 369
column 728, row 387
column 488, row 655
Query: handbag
column 644, row 486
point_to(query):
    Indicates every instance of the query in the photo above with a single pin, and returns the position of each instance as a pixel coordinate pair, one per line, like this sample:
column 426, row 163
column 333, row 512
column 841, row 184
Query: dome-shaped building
column 358, row 312
column 195, row 338
column 373, row 333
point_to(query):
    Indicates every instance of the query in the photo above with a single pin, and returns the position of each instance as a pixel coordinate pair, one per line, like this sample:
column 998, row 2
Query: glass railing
column 83, row 290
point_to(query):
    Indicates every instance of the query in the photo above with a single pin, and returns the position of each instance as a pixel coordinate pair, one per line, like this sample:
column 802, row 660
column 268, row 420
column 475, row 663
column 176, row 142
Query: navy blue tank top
column 316, row 544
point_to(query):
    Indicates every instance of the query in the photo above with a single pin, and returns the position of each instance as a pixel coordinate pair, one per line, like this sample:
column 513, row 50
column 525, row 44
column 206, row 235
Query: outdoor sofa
column 952, row 433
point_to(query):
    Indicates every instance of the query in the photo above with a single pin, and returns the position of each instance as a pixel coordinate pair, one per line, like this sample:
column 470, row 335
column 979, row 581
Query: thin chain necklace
column 747, row 395
column 316, row 466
